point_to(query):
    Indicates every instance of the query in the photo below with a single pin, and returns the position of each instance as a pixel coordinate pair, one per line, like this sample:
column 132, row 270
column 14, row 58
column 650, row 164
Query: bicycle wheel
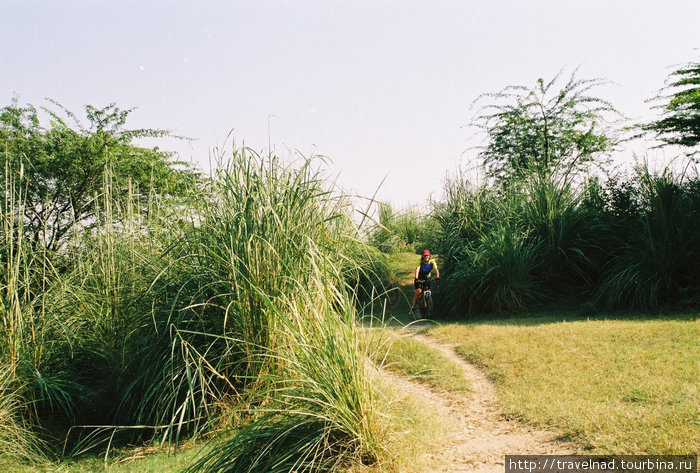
column 428, row 306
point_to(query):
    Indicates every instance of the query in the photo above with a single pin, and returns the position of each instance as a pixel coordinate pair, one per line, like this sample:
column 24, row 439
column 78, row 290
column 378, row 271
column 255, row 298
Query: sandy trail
column 481, row 438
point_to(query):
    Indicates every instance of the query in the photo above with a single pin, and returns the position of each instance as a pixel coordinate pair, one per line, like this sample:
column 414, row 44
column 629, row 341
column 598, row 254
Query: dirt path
column 480, row 439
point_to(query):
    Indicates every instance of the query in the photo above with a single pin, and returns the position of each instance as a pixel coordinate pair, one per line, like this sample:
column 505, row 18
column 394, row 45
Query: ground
column 478, row 438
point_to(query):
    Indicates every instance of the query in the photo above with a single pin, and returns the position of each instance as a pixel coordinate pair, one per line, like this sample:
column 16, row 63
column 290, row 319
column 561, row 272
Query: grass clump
column 197, row 315
column 615, row 387
column 626, row 242
column 262, row 318
column 314, row 408
column 18, row 441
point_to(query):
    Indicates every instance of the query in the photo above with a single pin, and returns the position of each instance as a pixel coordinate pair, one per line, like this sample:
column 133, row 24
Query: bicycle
column 425, row 303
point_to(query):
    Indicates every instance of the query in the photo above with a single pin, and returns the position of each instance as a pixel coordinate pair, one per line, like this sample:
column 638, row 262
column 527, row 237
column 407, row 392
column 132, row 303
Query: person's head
column 426, row 254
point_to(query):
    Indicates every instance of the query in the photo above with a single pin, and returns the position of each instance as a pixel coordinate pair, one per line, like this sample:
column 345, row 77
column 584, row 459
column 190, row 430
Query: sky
column 381, row 88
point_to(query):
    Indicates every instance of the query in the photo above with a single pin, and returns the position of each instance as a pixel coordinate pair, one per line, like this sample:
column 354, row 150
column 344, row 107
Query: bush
column 628, row 243
column 656, row 247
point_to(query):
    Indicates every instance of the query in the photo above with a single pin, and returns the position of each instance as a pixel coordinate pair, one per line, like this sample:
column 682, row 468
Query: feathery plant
column 547, row 129
column 228, row 287
column 315, row 409
column 398, row 231
column 679, row 123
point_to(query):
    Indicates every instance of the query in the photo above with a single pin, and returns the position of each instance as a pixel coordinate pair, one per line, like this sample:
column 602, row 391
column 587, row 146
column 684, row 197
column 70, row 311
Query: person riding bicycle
column 427, row 265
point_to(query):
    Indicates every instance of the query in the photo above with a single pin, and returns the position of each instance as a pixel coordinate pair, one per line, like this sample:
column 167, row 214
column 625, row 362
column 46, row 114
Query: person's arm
column 415, row 276
column 437, row 271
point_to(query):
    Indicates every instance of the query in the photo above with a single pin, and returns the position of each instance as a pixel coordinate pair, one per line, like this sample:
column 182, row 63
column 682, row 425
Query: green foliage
column 64, row 166
column 566, row 232
column 500, row 276
column 656, row 247
column 32, row 340
column 529, row 237
column 162, row 318
column 399, row 231
column 626, row 242
column 493, row 271
column 508, row 249
column 680, row 119
column 18, row 440
column 544, row 130
column 224, row 298
column 316, row 415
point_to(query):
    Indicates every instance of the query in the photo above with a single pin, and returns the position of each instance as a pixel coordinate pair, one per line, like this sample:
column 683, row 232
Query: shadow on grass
column 558, row 315
column 393, row 311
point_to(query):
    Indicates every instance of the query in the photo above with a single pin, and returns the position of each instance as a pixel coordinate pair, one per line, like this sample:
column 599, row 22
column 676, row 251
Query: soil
column 480, row 438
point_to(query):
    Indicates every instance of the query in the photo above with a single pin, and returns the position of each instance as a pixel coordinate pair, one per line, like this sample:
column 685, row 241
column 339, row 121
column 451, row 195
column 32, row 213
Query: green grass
column 244, row 305
column 411, row 433
column 392, row 307
column 612, row 386
column 627, row 242
column 402, row 266
column 413, row 359
column 395, row 232
column 125, row 460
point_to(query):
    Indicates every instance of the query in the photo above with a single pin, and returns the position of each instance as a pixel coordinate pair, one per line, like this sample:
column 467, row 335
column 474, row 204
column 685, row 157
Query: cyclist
column 427, row 265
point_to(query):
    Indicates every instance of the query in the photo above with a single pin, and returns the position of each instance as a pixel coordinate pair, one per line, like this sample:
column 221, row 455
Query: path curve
column 480, row 438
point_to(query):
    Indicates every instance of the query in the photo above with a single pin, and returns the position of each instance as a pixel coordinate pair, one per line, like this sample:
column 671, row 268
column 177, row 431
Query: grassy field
column 620, row 385
column 612, row 386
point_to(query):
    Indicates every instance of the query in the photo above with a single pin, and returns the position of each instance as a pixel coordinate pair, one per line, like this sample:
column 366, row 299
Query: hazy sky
column 382, row 88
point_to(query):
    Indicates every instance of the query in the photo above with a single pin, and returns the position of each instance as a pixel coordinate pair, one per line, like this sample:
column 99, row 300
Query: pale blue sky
column 382, row 88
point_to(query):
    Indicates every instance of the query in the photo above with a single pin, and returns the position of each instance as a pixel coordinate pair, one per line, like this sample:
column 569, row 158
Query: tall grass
column 29, row 337
column 394, row 232
column 628, row 243
column 566, row 232
column 490, row 258
column 18, row 439
column 160, row 317
column 656, row 246
column 260, row 281
column 316, row 406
